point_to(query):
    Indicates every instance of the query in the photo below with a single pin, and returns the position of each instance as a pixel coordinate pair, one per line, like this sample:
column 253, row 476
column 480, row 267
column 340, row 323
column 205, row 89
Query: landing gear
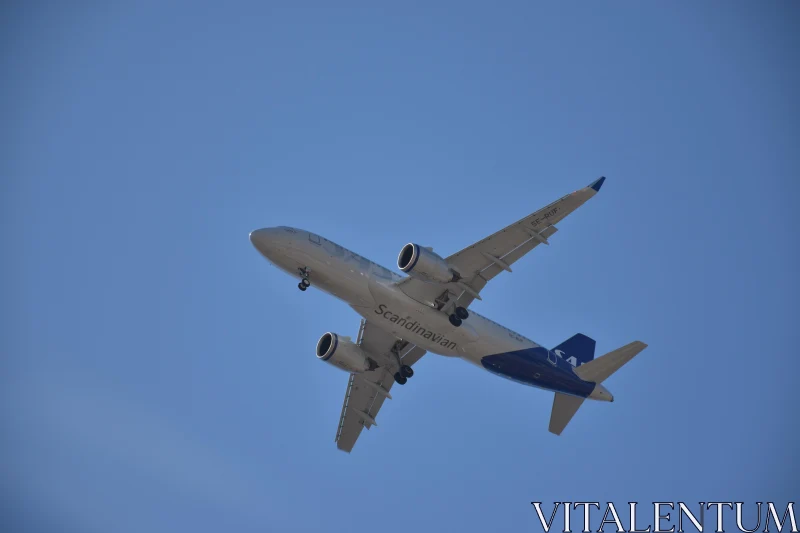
column 304, row 283
column 404, row 371
column 462, row 313
column 455, row 320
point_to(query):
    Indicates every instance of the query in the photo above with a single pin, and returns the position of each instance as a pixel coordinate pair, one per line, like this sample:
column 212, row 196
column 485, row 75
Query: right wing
column 367, row 391
column 480, row 262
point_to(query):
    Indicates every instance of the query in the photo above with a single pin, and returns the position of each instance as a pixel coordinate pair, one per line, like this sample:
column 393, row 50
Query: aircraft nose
column 264, row 239
column 257, row 237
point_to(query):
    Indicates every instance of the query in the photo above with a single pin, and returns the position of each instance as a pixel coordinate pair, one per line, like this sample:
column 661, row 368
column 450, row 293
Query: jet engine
column 423, row 263
column 342, row 353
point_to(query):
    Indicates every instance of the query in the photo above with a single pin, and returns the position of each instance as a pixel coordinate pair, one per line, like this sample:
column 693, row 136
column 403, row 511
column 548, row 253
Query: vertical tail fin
column 580, row 347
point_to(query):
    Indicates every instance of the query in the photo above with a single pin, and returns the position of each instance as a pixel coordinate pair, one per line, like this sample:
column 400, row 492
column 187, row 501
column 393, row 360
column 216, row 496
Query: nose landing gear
column 304, row 283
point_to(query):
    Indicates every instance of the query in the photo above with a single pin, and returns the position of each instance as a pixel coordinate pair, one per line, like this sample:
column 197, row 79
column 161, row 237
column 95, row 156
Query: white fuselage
column 370, row 290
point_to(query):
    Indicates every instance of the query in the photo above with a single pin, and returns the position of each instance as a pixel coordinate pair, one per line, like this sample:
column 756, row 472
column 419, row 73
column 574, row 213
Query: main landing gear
column 460, row 315
column 304, row 283
column 404, row 372
column 402, row 376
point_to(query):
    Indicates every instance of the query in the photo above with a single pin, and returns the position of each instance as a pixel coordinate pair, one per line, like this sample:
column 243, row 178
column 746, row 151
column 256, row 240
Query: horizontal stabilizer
column 601, row 368
column 564, row 408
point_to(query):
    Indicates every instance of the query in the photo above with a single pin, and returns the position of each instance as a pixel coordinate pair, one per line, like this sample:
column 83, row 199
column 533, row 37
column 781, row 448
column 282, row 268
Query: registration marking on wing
column 544, row 217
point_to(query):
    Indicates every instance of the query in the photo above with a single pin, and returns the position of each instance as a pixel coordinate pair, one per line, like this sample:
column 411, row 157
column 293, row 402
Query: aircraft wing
column 366, row 392
column 482, row 261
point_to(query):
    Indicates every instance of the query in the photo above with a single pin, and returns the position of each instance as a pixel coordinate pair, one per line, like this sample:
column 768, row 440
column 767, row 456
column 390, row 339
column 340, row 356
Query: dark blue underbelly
column 532, row 368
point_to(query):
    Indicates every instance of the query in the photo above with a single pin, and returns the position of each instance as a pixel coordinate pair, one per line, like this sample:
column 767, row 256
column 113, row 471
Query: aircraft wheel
column 406, row 371
column 400, row 379
column 455, row 320
column 305, row 282
column 462, row 313
column 301, row 286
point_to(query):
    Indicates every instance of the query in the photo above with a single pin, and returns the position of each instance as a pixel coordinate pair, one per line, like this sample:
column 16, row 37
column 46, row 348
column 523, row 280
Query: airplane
column 404, row 317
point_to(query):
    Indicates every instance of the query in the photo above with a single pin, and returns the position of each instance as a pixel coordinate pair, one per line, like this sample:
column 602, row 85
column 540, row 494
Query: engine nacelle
column 423, row 263
column 344, row 354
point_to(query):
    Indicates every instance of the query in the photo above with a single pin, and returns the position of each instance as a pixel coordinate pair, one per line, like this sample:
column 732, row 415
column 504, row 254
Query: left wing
column 366, row 392
column 480, row 262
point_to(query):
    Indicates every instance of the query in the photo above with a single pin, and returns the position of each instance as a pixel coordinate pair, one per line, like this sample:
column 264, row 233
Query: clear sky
column 159, row 375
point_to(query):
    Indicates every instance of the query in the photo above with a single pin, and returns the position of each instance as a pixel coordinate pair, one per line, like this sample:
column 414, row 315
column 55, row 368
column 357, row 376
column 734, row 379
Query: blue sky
column 159, row 375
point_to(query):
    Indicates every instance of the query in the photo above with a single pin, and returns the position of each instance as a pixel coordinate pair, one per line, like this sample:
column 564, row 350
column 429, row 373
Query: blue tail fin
column 576, row 350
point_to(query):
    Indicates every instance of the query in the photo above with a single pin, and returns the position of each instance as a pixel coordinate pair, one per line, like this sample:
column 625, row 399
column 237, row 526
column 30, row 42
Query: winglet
column 597, row 184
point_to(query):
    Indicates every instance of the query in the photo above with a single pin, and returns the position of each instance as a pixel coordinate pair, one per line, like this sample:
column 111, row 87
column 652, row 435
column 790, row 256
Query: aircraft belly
column 409, row 320
column 334, row 277
column 531, row 367
column 412, row 326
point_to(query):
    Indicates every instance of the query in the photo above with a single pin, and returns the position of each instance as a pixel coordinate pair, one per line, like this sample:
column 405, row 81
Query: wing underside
column 478, row 263
column 367, row 391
